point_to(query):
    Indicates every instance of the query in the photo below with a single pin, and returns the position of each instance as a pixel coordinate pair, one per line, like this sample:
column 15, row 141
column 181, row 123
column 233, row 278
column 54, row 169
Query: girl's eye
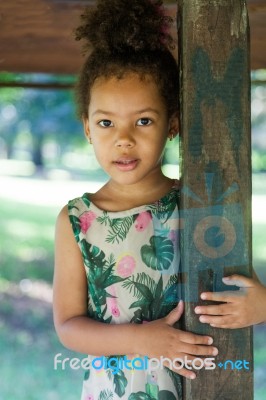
column 105, row 123
column 144, row 122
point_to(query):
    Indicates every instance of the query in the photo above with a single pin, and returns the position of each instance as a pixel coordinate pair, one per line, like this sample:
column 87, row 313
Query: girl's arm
column 80, row 333
column 241, row 308
column 75, row 330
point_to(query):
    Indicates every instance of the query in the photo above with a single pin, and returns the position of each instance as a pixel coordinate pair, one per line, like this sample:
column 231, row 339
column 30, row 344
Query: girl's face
column 128, row 126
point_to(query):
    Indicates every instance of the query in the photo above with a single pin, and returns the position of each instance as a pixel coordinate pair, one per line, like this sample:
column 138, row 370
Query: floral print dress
column 131, row 260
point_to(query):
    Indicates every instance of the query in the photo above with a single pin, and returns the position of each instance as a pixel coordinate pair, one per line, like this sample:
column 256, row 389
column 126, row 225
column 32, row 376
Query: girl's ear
column 173, row 129
column 86, row 128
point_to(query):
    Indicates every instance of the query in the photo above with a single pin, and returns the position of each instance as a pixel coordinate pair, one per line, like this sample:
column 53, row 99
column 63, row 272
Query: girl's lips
column 126, row 164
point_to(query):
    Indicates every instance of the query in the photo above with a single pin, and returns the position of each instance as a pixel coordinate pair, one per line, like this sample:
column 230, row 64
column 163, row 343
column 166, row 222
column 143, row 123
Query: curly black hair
column 127, row 36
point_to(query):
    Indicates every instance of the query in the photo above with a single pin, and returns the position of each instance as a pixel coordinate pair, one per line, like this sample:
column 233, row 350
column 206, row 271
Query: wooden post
column 216, row 180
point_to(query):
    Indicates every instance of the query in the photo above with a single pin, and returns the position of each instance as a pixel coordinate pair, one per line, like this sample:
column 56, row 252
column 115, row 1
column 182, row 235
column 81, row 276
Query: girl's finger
column 191, row 338
column 238, row 280
column 222, row 309
column 218, row 322
column 226, row 297
column 184, row 372
column 198, row 350
column 175, row 314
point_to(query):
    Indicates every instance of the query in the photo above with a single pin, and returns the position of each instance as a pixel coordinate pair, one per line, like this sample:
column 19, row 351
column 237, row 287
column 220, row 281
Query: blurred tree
column 46, row 113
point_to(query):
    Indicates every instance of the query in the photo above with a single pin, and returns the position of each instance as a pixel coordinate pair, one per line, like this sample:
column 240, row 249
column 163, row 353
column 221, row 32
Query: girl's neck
column 115, row 197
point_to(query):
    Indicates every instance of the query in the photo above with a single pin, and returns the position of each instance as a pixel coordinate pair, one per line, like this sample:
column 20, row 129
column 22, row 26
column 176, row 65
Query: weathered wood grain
column 216, row 178
column 37, row 35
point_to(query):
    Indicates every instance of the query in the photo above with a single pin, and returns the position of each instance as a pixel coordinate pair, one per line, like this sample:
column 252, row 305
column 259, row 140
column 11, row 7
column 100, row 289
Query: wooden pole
column 216, row 180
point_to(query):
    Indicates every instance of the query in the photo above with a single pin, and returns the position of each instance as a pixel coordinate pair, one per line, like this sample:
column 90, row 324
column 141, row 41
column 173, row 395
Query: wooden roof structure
column 37, row 35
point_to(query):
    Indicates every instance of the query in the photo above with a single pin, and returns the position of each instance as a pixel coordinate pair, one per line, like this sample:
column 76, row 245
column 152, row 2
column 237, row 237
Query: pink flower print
column 86, row 220
column 126, row 266
column 115, row 311
column 153, row 377
column 90, row 397
column 112, row 303
column 142, row 221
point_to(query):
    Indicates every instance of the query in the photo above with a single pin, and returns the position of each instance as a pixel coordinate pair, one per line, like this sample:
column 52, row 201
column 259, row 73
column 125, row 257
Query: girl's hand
column 241, row 308
column 160, row 339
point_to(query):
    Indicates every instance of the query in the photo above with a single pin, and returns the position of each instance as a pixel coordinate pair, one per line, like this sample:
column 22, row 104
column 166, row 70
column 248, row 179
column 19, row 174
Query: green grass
column 26, row 233
column 27, row 363
column 28, row 342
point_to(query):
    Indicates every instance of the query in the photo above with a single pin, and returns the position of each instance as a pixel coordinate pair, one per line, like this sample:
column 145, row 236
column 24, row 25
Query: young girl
column 116, row 263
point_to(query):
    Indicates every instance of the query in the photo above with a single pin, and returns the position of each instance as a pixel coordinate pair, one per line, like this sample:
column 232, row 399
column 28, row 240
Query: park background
column 45, row 161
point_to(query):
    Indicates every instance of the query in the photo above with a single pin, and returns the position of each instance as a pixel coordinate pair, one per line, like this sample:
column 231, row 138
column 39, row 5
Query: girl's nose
column 124, row 140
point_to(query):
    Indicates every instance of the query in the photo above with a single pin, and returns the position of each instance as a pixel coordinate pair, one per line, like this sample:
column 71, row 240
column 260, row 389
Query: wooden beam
column 257, row 17
column 37, row 35
column 216, row 180
column 32, row 85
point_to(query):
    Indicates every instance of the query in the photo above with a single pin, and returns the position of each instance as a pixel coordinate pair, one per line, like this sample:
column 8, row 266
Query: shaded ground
column 28, row 346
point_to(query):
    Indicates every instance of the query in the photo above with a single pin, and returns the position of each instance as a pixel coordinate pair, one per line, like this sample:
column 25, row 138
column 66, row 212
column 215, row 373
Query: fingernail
column 202, row 319
column 197, row 310
column 192, row 376
column 203, row 296
column 210, row 340
column 226, row 278
column 215, row 351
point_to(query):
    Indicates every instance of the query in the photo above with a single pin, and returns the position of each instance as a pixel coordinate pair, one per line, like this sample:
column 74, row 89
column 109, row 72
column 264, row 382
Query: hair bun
column 126, row 25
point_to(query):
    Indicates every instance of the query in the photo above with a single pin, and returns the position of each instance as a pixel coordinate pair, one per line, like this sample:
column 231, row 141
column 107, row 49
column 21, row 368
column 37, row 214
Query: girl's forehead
column 124, row 79
column 131, row 90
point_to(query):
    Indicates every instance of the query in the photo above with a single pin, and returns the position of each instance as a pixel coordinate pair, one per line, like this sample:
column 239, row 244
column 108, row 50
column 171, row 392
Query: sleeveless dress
column 131, row 260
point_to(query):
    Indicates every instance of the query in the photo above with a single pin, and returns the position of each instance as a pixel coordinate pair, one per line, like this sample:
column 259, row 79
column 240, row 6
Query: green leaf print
column 177, row 381
column 140, row 396
column 107, row 279
column 153, row 302
column 166, row 395
column 138, row 317
column 99, row 277
column 105, row 219
column 120, row 383
column 72, row 204
column 159, row 288
column 159, row 255
column 165, row 207
column 158, row 294
column 86, row 200
column 171, row 295
column 119, row 228
column 110, row 261
column 152, row 389
column 98, row 315
column 106, row 395
column 87, row 375
column 142, row 278
column 75, row 226
column 141, row 291
column 93, row 256
column 138, row 303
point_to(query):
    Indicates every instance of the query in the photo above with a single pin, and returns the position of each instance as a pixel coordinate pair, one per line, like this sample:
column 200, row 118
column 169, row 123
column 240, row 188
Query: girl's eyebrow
column 102, row 112
column 148, row 109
